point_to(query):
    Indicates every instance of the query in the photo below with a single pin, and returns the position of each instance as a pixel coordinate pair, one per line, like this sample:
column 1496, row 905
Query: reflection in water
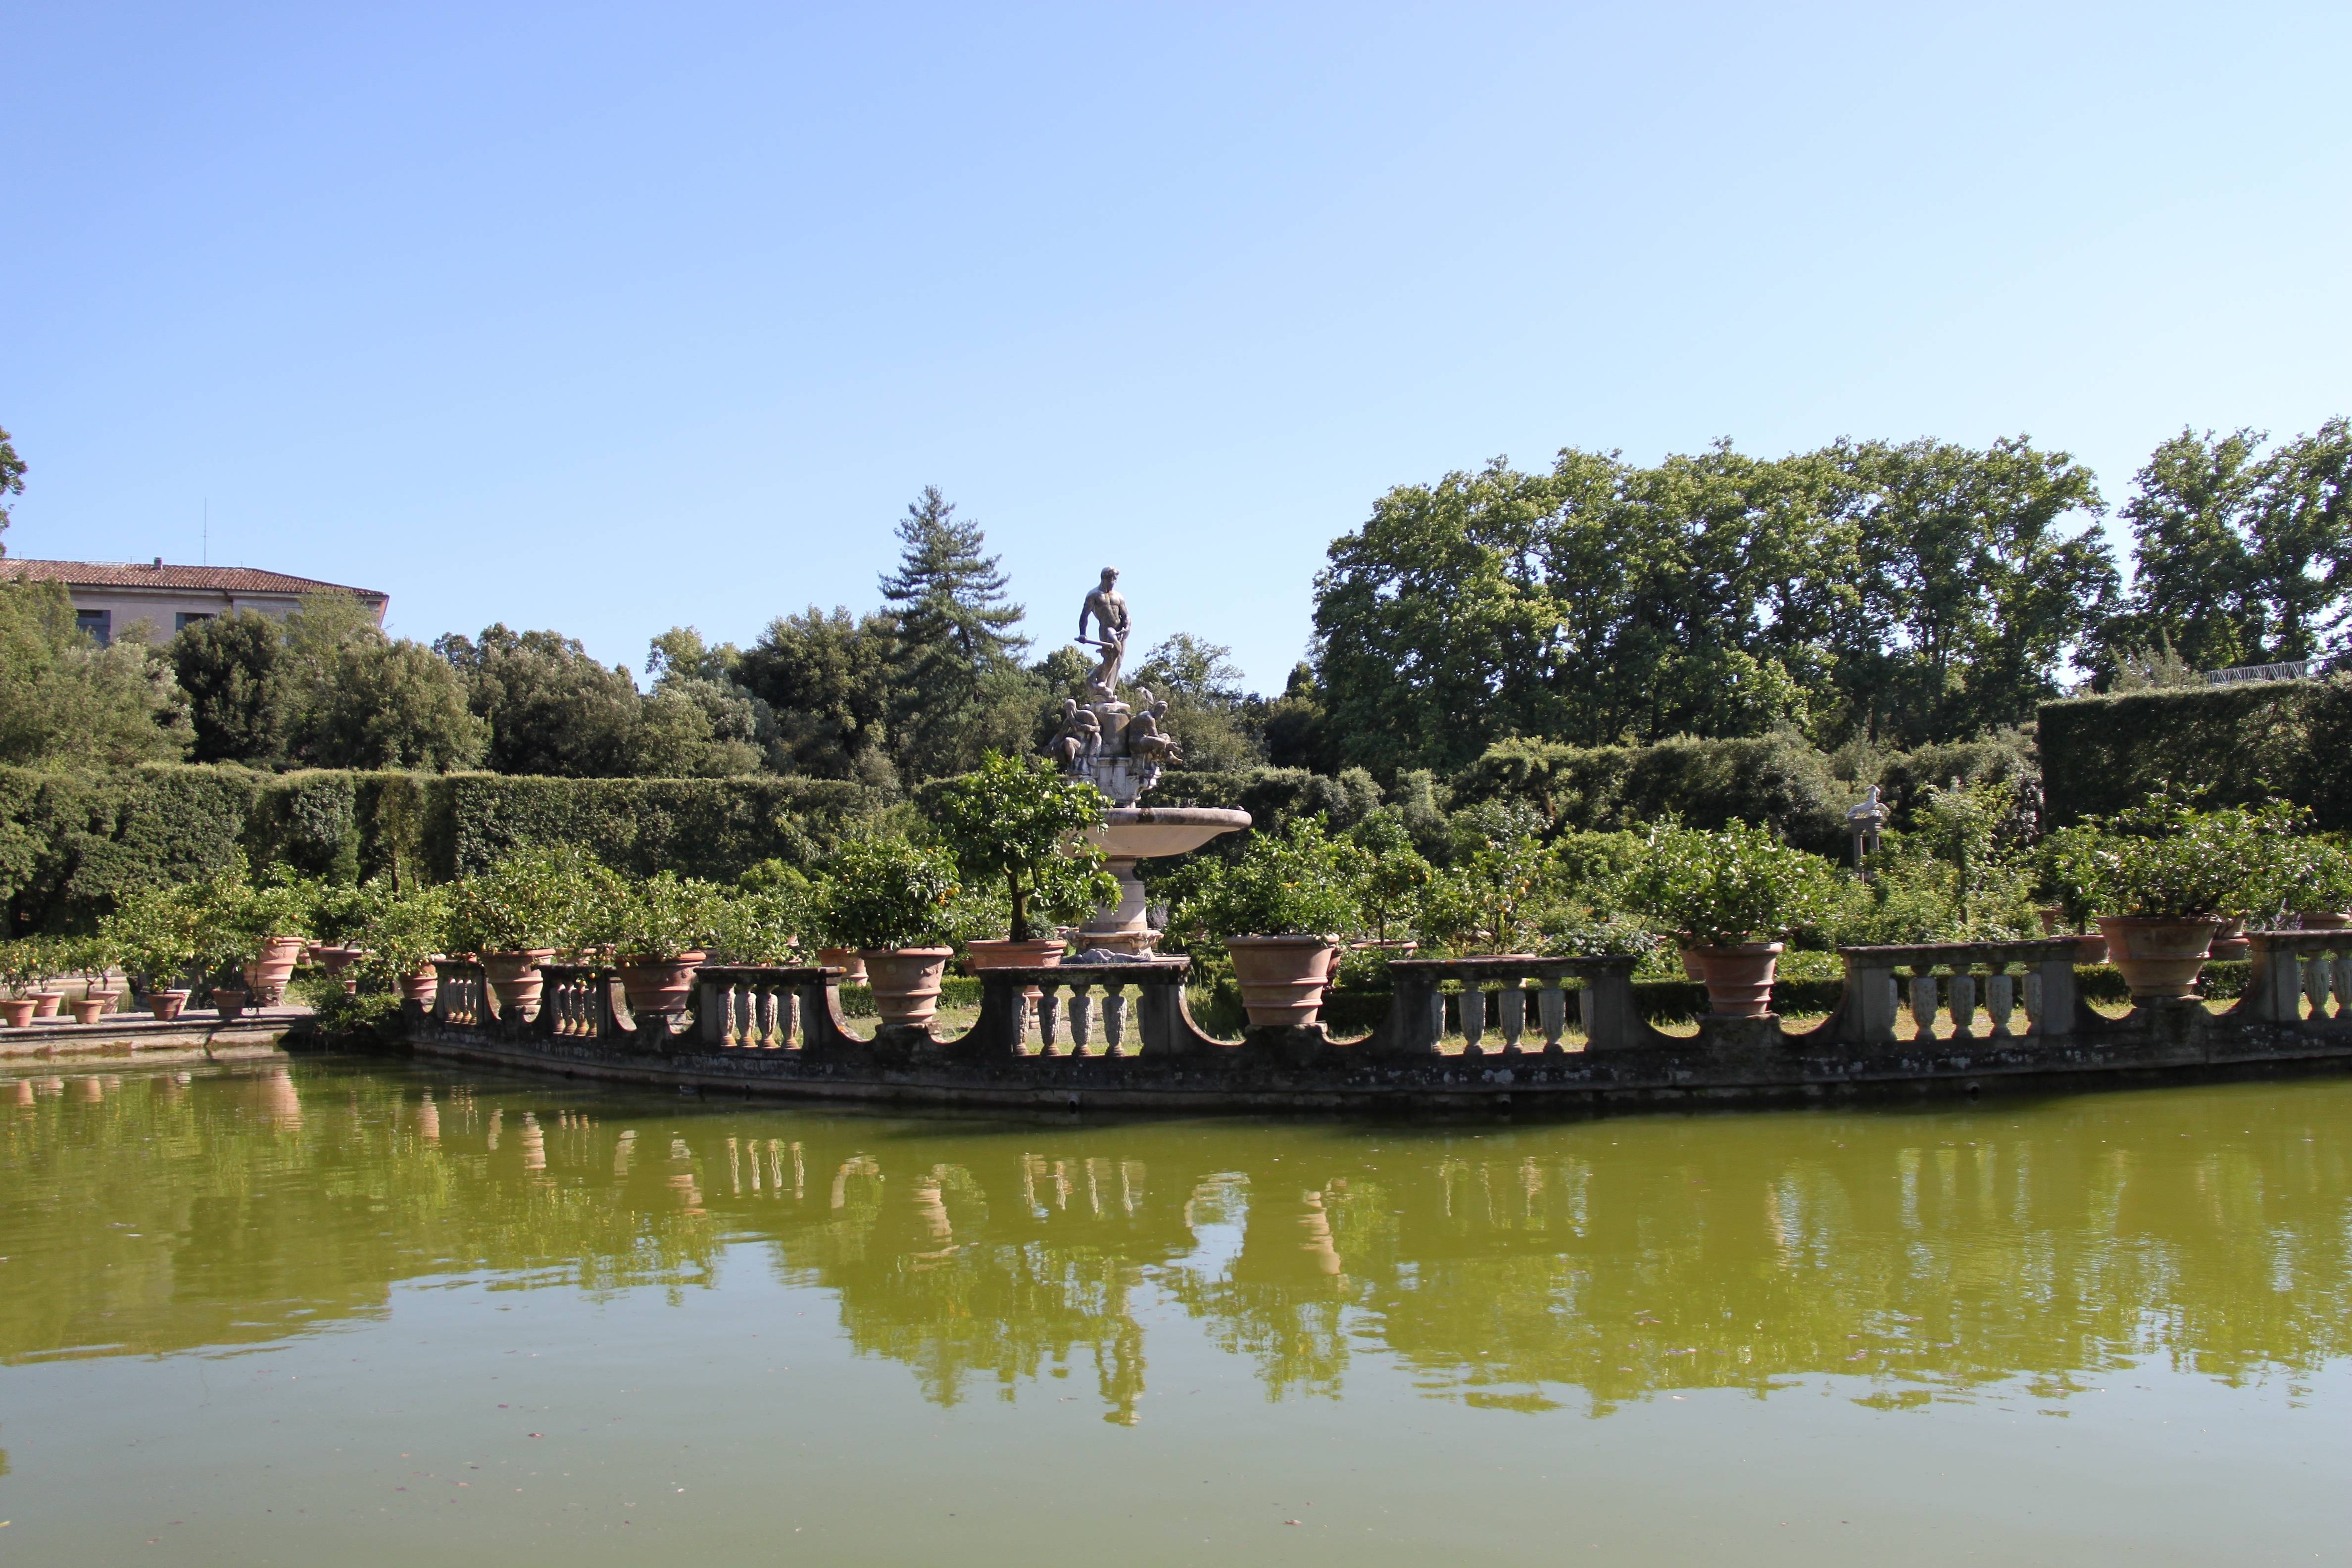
column 1925, row 1254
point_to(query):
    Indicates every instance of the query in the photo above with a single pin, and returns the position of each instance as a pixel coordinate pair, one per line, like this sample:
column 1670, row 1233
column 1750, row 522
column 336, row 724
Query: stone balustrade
column 2290, row 971
column 2023, row 988
column 1919, row 1012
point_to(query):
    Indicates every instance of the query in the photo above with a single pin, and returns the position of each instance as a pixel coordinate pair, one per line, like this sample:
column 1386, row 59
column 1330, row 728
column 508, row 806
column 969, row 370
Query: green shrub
column 1739, row 884
column 536, row 899
column 663, row 916
column 2166, row 857
column 886, row 892
column 1301, row 881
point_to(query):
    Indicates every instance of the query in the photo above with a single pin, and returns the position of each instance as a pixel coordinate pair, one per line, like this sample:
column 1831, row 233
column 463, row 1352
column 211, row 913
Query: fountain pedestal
column 1133, row 833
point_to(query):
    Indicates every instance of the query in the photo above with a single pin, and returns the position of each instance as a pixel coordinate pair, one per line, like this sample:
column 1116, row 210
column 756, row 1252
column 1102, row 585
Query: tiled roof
column 128, row 574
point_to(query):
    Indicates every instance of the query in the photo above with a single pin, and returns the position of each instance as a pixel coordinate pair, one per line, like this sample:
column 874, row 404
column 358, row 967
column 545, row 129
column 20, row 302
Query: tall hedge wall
column 2292, row 738
column 71, row 844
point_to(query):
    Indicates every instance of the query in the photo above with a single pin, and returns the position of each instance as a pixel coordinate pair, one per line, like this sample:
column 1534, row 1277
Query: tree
column 826, row 679
column 67, row 703
column 697, row 694
column 2194, row 576
column 2242, row 557
column 393, row 704
column 230, row 668
column 1013, row 820
column 549, row 708
column 955, row 630
column 1207, row 711
column 11, row 482
column 1980, row 576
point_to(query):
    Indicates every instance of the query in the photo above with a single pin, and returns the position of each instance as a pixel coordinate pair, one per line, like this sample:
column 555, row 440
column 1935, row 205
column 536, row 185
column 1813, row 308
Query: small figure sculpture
column 1147, row 742
column 1079, row 739
column 1066, row 746
column 1863, row 821
column 1108, row 610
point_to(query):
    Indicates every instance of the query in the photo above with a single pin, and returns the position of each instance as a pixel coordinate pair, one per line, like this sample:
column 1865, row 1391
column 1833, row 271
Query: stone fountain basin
column 1143, row 832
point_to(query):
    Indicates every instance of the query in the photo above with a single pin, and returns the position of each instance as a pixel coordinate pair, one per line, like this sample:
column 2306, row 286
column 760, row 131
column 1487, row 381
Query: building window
column 187, row 618
column 97, row 624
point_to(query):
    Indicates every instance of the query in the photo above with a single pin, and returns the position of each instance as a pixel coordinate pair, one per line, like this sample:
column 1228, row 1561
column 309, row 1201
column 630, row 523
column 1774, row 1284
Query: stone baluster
column 2316, row 974
column 1474, row 1017
column 2343, row 976
column 1923, row 1003
column 1082, row 1017
column 1963, row 1004
column 1436, row 1016
column 1514, row 1000
column 2000, row 1001
column 1049, row 1010
column 1551, row 1012
column 1114, row 1018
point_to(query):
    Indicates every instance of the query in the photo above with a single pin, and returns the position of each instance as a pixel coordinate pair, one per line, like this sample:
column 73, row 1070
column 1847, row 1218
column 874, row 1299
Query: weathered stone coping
column 142, row 1031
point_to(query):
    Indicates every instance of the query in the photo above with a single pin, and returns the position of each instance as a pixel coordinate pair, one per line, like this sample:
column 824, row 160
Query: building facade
column 110, row 597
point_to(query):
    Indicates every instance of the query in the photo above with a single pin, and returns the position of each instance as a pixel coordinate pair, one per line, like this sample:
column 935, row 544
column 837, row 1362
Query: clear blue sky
column 611, row 319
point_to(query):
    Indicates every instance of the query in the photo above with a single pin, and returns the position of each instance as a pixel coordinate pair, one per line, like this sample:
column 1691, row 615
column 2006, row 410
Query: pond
column 360, row 1313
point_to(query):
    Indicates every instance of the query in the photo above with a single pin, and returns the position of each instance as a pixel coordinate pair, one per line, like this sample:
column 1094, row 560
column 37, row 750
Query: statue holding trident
column 1108, row 610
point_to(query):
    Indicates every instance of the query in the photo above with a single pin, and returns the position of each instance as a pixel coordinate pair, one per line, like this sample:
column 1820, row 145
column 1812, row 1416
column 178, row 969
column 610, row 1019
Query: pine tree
column 956, row 639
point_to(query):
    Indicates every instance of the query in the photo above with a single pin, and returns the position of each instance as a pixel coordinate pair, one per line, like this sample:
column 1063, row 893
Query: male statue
column 1108, row 610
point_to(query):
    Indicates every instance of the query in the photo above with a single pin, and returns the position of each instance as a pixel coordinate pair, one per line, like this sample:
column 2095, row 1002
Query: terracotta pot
column 843, row 958
column 1010, row 954
column 46, row 1003
column 15, row 1012
column 659, row 987
column 231, row 1000
column 2325, row 922
column 2160, row 956
column 424, row 987
column 1283, row 978
column 89, row 1009
column 266, row 975
column 1692, row 968
column 906, row 981
column 166, row 1004
column 1739, row 979
column 2052, row 919
column 515, row 980
column 333, row 959
column 2229, row 941
column 2090, row 948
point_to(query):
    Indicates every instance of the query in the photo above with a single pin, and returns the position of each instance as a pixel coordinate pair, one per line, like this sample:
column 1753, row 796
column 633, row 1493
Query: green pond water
column 351, row 1313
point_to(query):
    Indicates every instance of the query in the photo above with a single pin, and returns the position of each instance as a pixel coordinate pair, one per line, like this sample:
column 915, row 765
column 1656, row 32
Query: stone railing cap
column 2025, row 949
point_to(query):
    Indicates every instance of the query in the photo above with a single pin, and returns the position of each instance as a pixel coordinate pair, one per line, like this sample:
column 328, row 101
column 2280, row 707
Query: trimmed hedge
column 1776, row 780
column 72, row 844
column 2248, row 741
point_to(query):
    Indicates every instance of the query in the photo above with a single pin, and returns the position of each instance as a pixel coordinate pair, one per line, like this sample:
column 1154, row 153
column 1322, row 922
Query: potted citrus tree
column 44, row 963
column 1281, row 911
column 398, row 934
column 2171, row 876
column 2312, row 881
column 19, row 968
column 156, row 933
column 892, row 904
column 1729, row 898
column 521, row 912
column 271, row 921
column 1017, row 823
column 93, row 958
column 660, row 931
column 765, row 918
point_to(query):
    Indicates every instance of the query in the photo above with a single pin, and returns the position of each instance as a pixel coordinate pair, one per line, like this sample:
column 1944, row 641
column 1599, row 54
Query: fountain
column 1120, row 750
